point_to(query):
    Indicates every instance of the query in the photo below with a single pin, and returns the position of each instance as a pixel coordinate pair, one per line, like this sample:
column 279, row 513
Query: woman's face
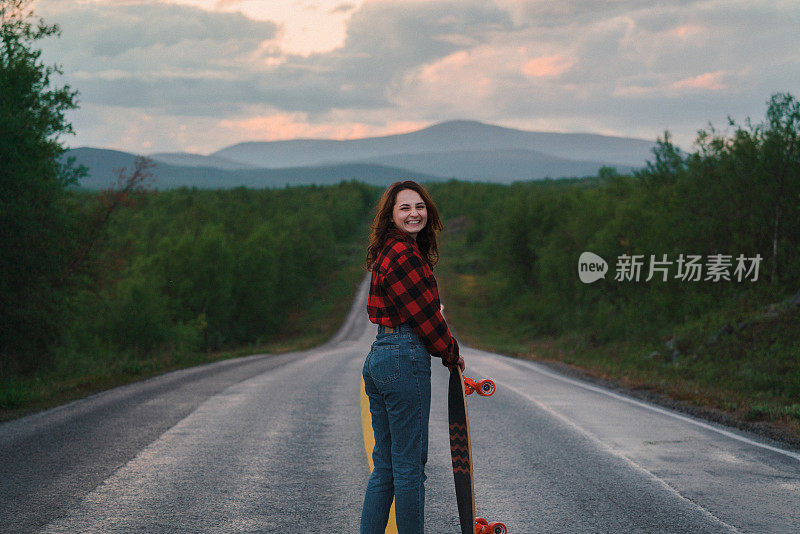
column 410, row 213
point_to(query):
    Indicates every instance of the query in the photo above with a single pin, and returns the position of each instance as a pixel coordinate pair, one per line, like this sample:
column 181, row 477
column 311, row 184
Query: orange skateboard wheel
column 484, row 527
column 487, row 387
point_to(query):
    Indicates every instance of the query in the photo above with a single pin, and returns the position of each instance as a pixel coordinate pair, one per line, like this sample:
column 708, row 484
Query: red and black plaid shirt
column 403, row 290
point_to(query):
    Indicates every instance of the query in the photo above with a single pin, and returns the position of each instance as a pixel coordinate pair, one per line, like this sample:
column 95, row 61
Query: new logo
column 591, row 267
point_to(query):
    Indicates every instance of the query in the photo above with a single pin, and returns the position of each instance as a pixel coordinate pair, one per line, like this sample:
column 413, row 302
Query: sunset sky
column 199, row 75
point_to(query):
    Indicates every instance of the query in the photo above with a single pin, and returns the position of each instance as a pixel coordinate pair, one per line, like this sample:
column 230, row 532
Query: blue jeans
column 397, row 379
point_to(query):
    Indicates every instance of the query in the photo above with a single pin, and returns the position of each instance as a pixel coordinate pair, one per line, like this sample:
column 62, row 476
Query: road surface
column 275, row 443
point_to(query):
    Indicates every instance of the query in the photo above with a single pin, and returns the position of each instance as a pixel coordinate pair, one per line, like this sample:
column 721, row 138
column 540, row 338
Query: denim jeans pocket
column 383, row 362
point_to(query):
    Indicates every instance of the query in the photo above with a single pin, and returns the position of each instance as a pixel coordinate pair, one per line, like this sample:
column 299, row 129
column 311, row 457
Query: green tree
column 36, row 225
column 781, row 149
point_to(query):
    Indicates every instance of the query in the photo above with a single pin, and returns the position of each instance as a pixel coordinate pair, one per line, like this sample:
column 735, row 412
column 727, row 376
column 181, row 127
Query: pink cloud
column 710, row 81
column 546, row 66
column 687, row 30
column 283, row 126
column 445, row 67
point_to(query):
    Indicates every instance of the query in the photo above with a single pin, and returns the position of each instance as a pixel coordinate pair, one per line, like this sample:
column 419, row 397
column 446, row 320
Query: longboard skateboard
column 461, row 451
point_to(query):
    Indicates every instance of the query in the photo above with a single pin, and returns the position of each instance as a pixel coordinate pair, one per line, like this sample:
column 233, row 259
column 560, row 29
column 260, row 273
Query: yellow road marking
column 369, row 444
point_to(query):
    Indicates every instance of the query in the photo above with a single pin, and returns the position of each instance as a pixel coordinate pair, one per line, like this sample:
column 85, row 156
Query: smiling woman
column 404, row 303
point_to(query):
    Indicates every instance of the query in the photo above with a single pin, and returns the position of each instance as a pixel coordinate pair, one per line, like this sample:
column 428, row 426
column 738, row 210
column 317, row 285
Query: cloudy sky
column 199, row 75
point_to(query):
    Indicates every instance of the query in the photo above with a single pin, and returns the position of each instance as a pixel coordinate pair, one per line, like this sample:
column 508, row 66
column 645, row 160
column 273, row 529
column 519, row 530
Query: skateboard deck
column 461, row 451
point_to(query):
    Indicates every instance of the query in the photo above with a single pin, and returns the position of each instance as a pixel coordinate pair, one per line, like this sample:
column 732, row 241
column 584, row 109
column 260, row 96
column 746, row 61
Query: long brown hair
column 383, row 224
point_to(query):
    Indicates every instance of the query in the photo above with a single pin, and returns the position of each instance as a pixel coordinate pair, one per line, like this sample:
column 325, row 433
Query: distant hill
column 453, row 136
column 465, row 150
column 495, row 165
column 186, row 159
column 102, row 166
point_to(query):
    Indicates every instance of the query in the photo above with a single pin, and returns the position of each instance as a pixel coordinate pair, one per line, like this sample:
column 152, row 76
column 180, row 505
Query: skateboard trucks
column 484, row 388
column 484, row 527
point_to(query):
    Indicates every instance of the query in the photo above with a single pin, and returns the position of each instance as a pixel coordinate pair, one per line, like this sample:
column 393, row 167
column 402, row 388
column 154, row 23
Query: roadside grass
column 77, row 375
column 742, row 360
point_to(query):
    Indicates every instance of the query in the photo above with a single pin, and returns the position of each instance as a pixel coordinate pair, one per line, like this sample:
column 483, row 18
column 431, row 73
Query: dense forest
column 219, row 269
column 178, row 276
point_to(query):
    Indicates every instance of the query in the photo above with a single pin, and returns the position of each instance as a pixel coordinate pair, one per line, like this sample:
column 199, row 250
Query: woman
column 404, row 303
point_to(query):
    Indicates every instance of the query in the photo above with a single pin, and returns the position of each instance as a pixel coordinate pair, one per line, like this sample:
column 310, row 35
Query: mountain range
column 465, row 150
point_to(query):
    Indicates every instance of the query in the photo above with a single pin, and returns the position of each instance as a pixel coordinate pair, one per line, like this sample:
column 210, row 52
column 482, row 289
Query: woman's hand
column 460, row 363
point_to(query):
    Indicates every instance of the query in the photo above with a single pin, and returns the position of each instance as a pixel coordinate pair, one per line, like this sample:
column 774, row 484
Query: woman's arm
column 413, row 295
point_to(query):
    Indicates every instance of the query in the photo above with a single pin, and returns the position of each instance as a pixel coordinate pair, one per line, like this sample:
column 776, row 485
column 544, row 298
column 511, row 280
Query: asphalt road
column 275, row 444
